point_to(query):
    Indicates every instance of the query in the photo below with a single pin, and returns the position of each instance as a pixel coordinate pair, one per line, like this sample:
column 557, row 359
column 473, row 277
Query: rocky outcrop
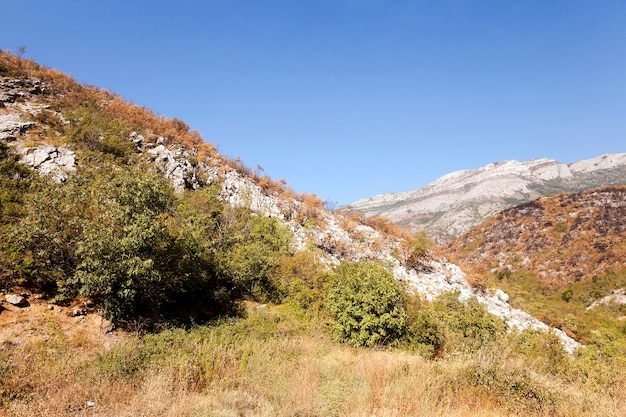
column 52, row 161
column 174, row 164
column 12, row 126
column 13, row 89
column 15, row 101
column 453, row 204
column 616, row 297
column 443, row 277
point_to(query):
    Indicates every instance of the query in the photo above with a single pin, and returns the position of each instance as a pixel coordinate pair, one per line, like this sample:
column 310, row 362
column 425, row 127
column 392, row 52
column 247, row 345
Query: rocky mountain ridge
column 454, row 203
column 339, row 237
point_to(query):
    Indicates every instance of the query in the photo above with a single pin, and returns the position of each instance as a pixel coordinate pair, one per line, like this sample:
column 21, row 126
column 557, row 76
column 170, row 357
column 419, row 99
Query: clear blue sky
column 352, row 98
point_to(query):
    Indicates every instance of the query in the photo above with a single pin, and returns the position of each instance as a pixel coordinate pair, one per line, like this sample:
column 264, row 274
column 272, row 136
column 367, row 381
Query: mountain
column 563, row 238
column 454, row 203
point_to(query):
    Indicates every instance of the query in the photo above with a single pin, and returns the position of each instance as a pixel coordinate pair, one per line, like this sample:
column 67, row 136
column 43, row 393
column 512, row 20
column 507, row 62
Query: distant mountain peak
column 455, row 202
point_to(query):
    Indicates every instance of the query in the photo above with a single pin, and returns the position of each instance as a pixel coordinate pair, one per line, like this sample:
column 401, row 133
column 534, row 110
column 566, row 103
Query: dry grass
column 272, row 364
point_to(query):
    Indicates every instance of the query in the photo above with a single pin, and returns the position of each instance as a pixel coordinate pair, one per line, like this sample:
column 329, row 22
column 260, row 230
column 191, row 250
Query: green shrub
column 248, row 248
column 467, row 324
column 41, row 246
column 16, row 183
column 16, row 179
column 424, row 332
column 367, row 304
column 119, row 256
column 300, row 279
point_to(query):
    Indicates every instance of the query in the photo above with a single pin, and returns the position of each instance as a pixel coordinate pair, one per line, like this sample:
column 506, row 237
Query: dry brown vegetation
column 564, row 238
column 273, row 364
column 65, row 93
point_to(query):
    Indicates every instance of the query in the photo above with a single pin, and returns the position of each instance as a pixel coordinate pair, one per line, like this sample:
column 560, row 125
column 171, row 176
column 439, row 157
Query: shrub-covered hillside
column 137, row 213
column 230, row 294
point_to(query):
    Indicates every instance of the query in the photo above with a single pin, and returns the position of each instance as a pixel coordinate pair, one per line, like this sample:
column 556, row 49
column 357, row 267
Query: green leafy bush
column 124, row 241
column 367, row 304
column 467, row 324
column 248, row 248
column 16, row 183
column 301, row 280
column 424, row 332
column 41, row 246
column 115, row 236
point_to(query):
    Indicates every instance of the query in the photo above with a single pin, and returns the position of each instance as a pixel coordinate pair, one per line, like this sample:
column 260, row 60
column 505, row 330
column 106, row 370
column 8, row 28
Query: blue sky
column 352, row 98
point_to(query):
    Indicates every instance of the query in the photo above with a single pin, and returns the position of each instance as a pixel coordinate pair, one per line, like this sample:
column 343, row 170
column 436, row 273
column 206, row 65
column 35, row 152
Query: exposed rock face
column 445, row 277
column 12, row 93
column 175, row 165
column 50, row 161
column 617, row 297
column 12, row 89
column 456, row 202
column 12, row 126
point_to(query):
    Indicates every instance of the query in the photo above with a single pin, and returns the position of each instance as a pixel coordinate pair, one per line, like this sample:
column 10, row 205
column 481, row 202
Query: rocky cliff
column 456, row 202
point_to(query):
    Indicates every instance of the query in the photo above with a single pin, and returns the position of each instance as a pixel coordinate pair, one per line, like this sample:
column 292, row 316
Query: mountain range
column 456, row 202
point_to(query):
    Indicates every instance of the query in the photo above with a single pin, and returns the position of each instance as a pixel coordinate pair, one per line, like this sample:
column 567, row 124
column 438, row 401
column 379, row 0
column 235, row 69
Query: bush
column 467, row 324
column 115, row 236
column 41, row 246
column 124, row 242
column 424, row 331
column 16, row 183
column 248, row 248
column 301, row 280
column 16, row 179
column 418, row 246
column 366, row 303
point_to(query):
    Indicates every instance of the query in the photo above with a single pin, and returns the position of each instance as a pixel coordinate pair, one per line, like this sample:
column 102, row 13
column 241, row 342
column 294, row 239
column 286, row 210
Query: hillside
column 453, row 204
column 143, row 273
column 564, row 238
column 61, row 128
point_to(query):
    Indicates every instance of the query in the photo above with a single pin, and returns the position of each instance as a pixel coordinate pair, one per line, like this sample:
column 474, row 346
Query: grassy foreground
column 274, row 362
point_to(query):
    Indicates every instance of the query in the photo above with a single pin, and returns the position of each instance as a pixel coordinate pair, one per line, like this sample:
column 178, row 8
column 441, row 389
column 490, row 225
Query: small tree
column 418, row 247
column 366, row 303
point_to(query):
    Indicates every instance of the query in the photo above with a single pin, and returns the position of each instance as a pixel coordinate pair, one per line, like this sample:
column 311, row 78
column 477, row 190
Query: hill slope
column 456, row 202
column 134, row 216
column 102, row 148
column 564, row 238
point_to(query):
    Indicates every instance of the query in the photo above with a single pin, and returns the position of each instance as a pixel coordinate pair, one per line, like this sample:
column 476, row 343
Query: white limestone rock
column 445, row 277
column 12, row 126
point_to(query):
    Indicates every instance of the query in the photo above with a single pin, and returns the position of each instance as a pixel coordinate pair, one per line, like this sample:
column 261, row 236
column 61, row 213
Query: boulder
column 50, row 161
column 16, row 300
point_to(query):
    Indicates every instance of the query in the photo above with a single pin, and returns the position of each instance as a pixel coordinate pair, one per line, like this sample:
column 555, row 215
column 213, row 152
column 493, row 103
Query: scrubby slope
column 564, row 238
column 225, row 275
